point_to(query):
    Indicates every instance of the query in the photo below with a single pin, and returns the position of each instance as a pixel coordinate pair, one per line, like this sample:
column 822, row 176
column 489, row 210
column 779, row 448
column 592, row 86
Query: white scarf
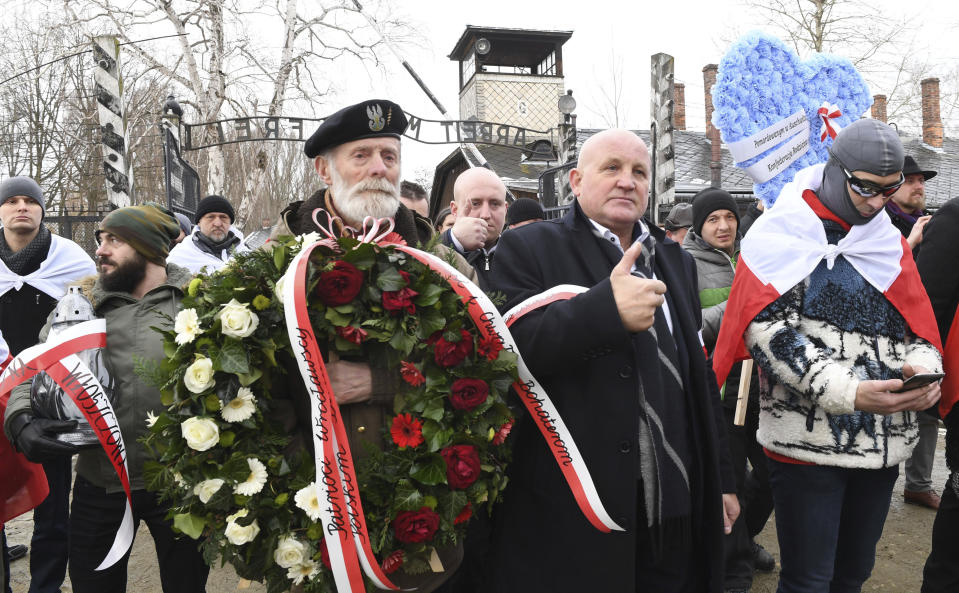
column 66, row 262
column 786, row 244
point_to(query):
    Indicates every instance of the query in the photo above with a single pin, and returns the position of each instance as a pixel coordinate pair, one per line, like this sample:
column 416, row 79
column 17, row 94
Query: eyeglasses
column 868, row 189
column 110, row 239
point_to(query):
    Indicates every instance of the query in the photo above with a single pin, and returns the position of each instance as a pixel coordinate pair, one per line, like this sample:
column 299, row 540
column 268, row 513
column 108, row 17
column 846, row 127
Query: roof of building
column 692, row 166
column 524, row 46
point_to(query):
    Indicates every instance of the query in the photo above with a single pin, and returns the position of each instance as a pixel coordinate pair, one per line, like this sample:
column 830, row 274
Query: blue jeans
column 828, row 520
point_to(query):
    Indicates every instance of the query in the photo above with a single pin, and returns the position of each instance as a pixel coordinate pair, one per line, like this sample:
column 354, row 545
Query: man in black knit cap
column 213, row 241
column 36, row 268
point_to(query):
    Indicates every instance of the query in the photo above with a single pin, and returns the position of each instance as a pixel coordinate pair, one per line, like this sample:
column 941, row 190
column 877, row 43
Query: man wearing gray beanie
column 35, row 269
column 830, row 307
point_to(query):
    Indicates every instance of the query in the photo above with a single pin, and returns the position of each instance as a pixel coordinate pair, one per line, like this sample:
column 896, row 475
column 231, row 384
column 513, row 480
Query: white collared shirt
column 614, row 239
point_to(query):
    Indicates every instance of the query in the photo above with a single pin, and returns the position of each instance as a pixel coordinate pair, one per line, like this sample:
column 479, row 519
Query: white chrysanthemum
column 240, row 407
column 240, row 534
column 187, row 326
column 207, row 488
column 237, row 320
column 255, row 481
column 151, row 419
column 199, row 375
column 305, row 570
column 289, row 552
column 200, row 433
column 278, row 289
column 308, row 499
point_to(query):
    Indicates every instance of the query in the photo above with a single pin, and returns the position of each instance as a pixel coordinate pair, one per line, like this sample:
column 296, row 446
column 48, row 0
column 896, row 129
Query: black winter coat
column 586, row 361
column 940, row 276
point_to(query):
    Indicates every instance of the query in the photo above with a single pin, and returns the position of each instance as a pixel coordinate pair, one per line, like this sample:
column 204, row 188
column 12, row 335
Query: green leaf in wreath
column 430, row 322
column 407, row 497
column 434, row 410
column 336, row 318
column 389, row 279
column 226, row 438
column 189, row 524
column 428, row 296
column 362, row 256
column 166, row 397
column 431, row 471
column 232, row 358
column 279, row 257
column 247, row 379
column 212, row 403
column 403, row 342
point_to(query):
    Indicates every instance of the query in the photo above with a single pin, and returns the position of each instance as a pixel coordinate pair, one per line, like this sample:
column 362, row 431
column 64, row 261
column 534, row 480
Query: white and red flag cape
column 786, row 244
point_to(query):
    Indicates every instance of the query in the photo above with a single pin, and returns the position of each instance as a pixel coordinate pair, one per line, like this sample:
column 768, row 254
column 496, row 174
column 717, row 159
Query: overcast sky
column 695, row 33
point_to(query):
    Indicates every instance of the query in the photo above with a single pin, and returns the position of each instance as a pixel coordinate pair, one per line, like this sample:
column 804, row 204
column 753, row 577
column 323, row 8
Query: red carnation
column 464, row 515
column 450, row 354
column 466, row 394
column 393, row 562
column 412, row 527
column 351, row 334
column 395, row 301
column 406, row 431
column 325, row 554
column 340, row 285
column 490, row 347
column 411, row 374
column 462, row 465
column 503, row 432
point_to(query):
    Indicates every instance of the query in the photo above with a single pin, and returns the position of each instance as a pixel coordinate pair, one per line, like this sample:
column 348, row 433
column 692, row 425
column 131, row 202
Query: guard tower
column 511, row 76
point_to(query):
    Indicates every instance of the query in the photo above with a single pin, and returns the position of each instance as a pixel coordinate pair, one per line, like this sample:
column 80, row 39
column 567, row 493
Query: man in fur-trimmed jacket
column 829, row 303
column 135, row 291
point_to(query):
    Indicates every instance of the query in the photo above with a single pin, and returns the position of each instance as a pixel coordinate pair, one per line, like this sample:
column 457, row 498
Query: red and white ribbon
column 827, row 113
column 58, row 358
column 541, row 409
column 341, row 512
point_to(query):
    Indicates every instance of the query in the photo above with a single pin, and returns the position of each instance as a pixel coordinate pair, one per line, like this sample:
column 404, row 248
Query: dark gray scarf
column 29, row 258
column 215, row 248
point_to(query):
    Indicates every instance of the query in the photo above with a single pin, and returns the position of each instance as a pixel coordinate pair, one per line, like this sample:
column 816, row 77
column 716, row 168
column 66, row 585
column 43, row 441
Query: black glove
column 36, row 437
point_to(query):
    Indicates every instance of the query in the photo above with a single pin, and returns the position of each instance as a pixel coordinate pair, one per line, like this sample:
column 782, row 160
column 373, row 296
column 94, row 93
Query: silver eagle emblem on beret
column 375, row 113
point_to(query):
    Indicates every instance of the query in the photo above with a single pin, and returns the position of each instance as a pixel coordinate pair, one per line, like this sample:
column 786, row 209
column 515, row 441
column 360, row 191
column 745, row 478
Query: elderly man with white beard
column 356, row 153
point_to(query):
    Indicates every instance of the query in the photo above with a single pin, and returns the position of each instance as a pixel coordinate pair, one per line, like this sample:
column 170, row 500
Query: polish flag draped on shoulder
column 24, row 485
column 786, row 244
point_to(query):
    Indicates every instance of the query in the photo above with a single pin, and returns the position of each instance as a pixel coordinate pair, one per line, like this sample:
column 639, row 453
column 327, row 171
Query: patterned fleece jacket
column 814, row 344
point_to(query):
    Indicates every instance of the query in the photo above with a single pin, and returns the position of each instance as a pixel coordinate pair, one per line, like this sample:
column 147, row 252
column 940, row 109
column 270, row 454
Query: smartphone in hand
column 919, row 380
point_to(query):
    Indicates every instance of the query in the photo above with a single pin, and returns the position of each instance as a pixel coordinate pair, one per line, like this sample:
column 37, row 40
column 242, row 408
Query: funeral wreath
column 227, row 465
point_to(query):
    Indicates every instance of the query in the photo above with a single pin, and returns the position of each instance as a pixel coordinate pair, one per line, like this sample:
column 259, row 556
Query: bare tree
column 885, row 47
column 224, row 66
column 607, row 101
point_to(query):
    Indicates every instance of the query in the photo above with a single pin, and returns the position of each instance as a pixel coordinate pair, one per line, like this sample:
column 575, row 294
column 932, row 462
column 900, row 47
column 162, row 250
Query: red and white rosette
column 58, row 358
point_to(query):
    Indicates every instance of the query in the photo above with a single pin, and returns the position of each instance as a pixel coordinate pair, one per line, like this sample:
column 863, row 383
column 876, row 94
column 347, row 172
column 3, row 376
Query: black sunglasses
column 868, row 189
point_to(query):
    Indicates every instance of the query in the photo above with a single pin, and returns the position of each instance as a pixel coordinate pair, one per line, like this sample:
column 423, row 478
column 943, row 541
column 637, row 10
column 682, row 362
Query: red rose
column 351, row 334
column 340, row 285
column 462, row 465
column 503, row 432
column 466, row 394
column 393, row 562
column 325, row 554
column 450, row 354
column 412, row 527
column 490, row 347
column 406, row 431
column 395, row 301
column 464, row 515
column 411, row 374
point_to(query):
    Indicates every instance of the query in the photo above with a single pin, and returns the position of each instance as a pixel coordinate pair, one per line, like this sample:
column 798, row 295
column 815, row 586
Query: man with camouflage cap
column 829, row 304
column 135, row 291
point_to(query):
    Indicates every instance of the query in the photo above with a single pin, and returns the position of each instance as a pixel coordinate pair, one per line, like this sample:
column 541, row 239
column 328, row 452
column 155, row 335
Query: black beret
column 369, row 119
